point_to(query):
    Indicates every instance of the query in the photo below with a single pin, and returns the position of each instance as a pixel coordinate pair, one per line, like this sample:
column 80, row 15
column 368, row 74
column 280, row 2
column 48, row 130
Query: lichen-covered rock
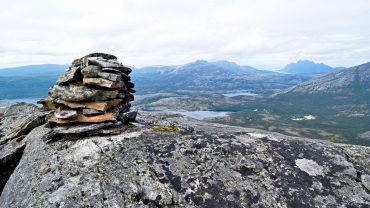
column 366, row 181
column 72, row 75
column 64, row 114
column 103, row 83
column 198, row 165
column 105, row 63
column 100, row 106
column 96, row 71
column 18, row 120
column 76, row 93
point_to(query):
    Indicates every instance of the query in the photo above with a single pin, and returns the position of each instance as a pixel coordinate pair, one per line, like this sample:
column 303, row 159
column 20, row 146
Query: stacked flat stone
column 95, row 89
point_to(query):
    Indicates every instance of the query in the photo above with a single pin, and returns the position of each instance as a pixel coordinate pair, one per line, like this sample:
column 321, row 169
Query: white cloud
column 262, row 33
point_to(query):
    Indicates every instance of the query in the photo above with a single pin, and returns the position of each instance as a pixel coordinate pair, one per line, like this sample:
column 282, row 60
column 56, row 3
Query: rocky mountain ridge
column 341, row 81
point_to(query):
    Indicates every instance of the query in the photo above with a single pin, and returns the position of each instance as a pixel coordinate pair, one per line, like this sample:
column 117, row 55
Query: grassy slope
column 334, row 121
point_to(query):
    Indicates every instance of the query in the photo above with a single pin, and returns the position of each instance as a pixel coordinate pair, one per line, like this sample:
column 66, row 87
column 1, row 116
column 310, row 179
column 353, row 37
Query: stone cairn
column 96, row 89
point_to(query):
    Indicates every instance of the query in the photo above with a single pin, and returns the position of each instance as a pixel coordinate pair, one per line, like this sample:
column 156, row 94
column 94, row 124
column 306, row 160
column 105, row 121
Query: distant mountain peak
column 200, row 62
column 308, row 67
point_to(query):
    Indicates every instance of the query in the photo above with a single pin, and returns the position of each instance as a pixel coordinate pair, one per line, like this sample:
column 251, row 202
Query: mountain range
column 218, row 76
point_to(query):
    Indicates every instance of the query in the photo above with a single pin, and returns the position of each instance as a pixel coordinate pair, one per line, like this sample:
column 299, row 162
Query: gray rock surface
column 18, row 120
column 167, row 160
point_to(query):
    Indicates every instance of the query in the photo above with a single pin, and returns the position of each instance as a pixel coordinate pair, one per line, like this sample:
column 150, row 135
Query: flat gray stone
column 79, row 93
column 110, row 76
column 105, row 63
column 91, row 71
column 64, row 114
column 101, row 82
column 91, row 112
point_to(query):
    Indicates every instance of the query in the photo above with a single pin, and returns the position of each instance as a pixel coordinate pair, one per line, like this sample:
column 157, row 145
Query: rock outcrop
column 167, row 160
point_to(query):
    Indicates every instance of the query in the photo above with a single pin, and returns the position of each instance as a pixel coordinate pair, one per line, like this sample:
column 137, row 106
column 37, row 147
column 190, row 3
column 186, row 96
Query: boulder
column 129, row 116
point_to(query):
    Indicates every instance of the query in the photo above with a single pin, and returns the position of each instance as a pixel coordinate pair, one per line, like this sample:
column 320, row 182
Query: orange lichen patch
column 100, row 106
column 84, row 119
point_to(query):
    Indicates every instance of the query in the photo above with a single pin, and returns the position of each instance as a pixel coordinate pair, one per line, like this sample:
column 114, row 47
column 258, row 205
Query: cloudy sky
column 262, row 33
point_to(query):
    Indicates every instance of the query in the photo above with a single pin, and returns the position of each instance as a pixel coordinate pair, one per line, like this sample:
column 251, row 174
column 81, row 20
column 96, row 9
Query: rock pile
column 95, row 89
